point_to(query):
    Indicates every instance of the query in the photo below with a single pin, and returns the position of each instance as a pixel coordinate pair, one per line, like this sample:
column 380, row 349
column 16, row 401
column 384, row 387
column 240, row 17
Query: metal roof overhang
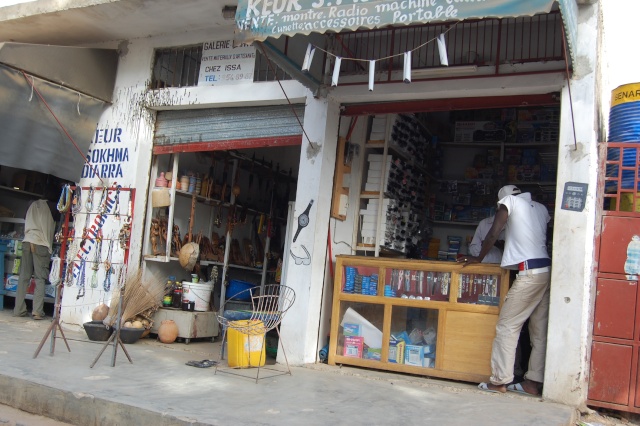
column 259, row 19
column 75, row 84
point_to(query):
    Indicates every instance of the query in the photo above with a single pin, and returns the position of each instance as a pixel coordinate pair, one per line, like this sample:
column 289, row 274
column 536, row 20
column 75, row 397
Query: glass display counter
column 432, row 318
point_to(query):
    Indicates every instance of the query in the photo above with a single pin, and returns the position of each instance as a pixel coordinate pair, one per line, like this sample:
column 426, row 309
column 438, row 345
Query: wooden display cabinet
column 432, row 318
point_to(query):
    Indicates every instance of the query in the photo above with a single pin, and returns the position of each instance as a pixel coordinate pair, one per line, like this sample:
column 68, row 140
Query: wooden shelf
column 164, row 259
column 497, row 144
column 450, row 222
column 11, row 220
column 21, row 192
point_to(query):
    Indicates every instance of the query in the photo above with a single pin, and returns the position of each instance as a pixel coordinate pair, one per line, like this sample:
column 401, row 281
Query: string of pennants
column 406, row 73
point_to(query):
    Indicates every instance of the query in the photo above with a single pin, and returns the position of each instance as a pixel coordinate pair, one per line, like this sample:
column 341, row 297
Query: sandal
column 205, row 363
column 485, row 387
column 517, row 388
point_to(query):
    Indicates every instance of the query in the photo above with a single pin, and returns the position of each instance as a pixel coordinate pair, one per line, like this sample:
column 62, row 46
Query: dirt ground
column 607, row 418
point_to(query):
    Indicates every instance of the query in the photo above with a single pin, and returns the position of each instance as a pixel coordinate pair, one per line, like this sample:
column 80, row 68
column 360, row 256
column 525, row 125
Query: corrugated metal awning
column 227, row 128
column 259, row 19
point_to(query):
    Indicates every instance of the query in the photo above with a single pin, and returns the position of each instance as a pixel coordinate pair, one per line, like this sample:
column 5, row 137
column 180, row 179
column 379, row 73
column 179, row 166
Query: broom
column 139, row 296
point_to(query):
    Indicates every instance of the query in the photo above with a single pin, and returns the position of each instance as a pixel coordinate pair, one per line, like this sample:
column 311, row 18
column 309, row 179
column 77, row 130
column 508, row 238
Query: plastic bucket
column 246, row 350
column 200, row 293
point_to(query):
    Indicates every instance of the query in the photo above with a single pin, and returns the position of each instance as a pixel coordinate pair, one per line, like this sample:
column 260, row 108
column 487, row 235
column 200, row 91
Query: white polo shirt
column 525, row 231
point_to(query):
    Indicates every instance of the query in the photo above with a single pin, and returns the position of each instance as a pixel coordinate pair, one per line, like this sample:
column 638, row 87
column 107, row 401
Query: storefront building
column 163, row 121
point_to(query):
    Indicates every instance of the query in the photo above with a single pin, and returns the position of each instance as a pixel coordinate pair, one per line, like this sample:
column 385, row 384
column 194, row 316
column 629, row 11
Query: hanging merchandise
column 102, row 207
column 65, row 199
column 116, row 206
column 76, row 201
column 89, row 203
column 108, row 267
column 81, row 279
column 96, row 260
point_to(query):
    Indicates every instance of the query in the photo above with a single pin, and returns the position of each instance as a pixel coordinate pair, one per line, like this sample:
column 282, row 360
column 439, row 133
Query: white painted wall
column 619, row 64
column 133, row 112
column 300, row 326
column 574, row 233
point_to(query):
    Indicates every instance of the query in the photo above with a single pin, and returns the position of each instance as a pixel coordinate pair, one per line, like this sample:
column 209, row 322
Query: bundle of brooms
column 141, row 297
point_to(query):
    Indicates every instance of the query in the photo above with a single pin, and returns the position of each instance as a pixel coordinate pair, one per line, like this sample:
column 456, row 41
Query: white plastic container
column 200, row 293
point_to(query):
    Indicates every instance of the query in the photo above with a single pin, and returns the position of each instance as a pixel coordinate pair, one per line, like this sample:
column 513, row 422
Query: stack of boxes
column 356, row 283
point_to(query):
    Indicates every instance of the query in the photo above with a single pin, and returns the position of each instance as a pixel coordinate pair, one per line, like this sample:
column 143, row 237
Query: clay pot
column 100, row 312
column 168, row 331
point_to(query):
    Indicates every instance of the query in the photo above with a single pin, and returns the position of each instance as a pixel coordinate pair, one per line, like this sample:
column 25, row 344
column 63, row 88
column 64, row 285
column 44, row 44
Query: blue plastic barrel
column 624, row 116
column 624, row 126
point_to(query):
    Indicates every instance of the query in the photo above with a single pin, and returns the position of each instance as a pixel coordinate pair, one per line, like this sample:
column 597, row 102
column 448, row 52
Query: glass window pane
column 360, row 280
column 419, row 285
column 481, row 289
column 413, row 336
column 360, row 332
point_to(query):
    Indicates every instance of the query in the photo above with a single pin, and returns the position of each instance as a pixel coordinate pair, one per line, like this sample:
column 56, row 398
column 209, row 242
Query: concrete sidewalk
column 159, row 389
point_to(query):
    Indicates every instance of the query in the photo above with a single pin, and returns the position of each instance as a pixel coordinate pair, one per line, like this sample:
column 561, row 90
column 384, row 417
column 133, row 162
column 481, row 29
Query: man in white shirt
column 495, row 254
column 525, row 223
column 36, row 253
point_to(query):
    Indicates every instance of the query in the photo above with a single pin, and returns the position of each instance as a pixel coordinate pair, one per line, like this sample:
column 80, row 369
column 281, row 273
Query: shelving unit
column 213, row 216
column 391, row 207
column 439, row 322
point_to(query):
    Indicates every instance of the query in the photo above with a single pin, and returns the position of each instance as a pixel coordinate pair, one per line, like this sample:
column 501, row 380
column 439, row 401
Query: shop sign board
column 223, row 64
column 259, row 19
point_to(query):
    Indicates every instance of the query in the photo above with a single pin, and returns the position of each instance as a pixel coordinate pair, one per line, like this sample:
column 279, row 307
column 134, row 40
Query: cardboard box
column 413, row 355
column 374, row 354
column 473, row 131
column 353, row 346
column 396, row 351
column 351, row 330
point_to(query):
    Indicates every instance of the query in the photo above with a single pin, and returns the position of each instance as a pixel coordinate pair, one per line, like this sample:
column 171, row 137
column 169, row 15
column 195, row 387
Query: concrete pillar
column 315, row 181
column 573, row 278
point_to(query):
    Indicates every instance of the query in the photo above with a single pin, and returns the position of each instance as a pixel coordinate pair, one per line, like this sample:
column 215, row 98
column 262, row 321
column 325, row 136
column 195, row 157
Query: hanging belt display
column 97, row 259
column 108, row 267
column 89, row 204
column 81, row 279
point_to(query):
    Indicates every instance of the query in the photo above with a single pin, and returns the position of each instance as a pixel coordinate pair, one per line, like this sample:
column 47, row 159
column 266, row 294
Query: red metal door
column 616, row 235
column 615, row 311
column 610, row 378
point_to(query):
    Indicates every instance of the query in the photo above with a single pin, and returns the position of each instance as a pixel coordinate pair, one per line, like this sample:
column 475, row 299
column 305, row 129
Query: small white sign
column 224, row 64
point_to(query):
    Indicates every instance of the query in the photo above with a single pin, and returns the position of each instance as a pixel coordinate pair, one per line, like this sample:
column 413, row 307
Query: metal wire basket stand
column 269, row 304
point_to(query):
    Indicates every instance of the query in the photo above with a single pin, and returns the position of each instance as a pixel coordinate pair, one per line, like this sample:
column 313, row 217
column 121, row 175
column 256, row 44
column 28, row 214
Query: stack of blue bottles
column 350, row 275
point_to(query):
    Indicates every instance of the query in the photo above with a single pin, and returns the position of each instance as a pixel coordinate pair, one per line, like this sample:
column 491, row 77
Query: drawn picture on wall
column 301, row 260
column 303, row 220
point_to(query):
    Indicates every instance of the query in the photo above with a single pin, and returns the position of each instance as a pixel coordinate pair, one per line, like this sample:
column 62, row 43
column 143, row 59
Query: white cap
column 508, row 190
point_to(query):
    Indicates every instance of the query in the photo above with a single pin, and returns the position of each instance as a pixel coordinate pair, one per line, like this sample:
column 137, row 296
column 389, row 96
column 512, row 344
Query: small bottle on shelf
column 177, row 296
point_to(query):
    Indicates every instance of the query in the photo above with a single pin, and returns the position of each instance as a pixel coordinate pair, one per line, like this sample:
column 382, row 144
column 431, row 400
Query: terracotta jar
column 168, row 331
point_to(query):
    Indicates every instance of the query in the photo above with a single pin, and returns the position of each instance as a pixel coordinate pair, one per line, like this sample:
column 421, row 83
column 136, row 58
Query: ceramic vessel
column 161, row 182
column 184, row 183
column 168, row 331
